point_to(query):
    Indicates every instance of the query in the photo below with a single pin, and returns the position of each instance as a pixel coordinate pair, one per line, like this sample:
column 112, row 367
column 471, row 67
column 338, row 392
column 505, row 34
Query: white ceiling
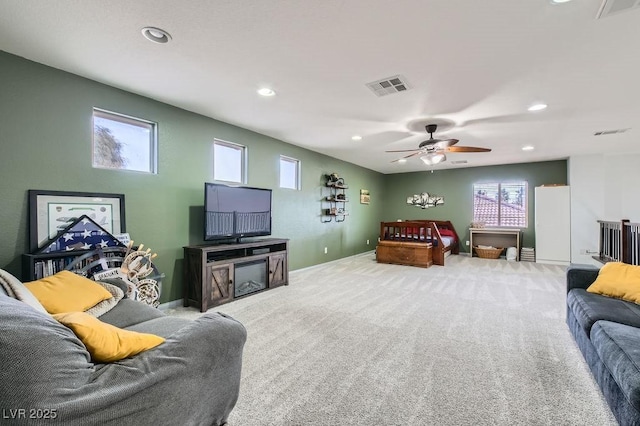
column 475, row 64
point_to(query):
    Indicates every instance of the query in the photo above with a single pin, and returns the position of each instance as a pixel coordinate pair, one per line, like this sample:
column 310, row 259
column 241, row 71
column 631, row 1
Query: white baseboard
column 332, row 261
column 553, row 262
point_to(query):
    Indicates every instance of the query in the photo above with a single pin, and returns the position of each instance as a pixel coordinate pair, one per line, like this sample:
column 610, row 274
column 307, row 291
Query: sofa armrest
column 191, row 378
column 581, row 276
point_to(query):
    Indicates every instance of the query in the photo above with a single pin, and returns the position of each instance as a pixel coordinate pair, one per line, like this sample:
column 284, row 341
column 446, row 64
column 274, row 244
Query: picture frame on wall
column 365, row 197
column 50, row 212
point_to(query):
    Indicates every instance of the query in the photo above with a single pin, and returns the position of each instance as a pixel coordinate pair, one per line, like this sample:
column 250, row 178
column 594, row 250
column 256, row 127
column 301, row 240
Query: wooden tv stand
column 210, row 271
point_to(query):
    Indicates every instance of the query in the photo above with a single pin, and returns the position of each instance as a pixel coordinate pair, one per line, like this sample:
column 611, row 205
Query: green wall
column 456, row 186
column 45, row 135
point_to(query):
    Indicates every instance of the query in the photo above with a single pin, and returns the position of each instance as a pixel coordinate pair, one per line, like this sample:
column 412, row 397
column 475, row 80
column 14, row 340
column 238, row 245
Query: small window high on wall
column 124, row 143
column 500, row 204
column 229, row 162
column 289, row 173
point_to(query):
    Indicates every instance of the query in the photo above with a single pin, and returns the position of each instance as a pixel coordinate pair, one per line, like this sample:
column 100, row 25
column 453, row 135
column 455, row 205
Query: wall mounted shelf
column 334, row 202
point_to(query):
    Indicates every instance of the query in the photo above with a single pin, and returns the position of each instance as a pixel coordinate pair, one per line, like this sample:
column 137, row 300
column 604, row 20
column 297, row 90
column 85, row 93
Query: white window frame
column 243, row 160
column 296, row 162
column 133, row 121
column 525, row 184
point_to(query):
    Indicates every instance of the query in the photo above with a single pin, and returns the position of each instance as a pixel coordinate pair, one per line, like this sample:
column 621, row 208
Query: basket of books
column 488, row 252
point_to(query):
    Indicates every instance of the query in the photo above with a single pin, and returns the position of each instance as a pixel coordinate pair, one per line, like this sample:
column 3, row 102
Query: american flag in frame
column 81, row 234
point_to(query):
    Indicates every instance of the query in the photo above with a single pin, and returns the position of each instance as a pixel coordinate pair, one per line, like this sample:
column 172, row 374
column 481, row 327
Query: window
column 500, row 204
column 124, row 143
column 229, row 161
column 289, row 173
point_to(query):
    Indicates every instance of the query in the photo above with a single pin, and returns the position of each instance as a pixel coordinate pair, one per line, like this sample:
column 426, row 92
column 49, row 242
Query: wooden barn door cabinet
column 217, row 274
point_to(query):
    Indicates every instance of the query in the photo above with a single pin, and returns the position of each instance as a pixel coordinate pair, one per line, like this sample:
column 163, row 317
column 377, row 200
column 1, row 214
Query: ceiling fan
column 433, row 150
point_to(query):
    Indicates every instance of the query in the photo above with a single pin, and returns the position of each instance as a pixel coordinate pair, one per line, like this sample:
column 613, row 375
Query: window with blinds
column 500, row 204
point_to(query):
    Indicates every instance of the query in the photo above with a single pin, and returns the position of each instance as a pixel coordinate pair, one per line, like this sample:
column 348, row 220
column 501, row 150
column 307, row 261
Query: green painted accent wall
column 456, row 186
column 45, row 135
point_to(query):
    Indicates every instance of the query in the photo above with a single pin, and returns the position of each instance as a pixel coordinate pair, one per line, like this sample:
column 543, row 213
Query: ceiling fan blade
column 407, row 156
column 466, row 149
column 404, row 150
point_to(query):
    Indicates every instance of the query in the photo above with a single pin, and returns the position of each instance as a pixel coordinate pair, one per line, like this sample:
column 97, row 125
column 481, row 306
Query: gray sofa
column 607, row 331
column 47, row 376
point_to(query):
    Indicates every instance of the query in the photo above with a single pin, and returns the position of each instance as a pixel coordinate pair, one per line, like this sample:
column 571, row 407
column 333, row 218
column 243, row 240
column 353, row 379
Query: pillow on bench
column 447, row 233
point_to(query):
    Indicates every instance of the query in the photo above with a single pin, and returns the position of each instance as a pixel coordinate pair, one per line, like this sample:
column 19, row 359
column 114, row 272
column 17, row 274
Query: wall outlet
column 325, row 250
column 467, row 243
column 367, row 242
column 588, row 251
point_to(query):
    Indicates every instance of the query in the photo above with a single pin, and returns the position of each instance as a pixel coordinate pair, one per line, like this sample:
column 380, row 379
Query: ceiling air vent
column 389, row 85
column 610, row 132
column 612, row 7
column 459, row 162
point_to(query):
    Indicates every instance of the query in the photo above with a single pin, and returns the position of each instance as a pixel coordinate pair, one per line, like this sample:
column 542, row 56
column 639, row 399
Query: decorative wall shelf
column 335, row 201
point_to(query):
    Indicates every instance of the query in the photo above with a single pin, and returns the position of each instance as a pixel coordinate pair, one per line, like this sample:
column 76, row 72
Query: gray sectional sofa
column 47, row 376
column 607, row 331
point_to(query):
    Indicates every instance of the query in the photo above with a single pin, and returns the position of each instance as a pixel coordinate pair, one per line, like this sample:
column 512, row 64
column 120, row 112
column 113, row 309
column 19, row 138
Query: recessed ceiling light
column 559, row 1
column 402, row 160
column 356, row 138
column 156, row 35
column 265, row 91
column 537, row 107
column 528, row 148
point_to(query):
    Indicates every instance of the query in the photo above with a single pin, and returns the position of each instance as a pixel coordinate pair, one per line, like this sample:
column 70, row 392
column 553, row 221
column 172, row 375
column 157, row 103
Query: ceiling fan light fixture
column 433, row 158
column 537, row 107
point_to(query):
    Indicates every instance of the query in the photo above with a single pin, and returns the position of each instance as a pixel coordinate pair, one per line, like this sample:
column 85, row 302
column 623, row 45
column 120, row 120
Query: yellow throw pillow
column 619, row 280
column 105, row 342
column 67, row 292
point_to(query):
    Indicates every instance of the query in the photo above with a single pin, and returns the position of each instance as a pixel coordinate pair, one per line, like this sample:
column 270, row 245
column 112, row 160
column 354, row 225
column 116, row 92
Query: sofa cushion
column 617, row 279
column 618, row 349
column 129, row 312
column 40, row 357
column 67, row 292
column 589, row 308
column 163, row 326
column 105, row 342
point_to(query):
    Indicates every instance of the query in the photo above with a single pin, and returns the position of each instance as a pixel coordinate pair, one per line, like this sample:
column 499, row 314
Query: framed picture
column 365, row 198
column 52, row 211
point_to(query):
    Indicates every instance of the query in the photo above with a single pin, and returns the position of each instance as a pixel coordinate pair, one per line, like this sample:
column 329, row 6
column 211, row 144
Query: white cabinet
column 553, row 224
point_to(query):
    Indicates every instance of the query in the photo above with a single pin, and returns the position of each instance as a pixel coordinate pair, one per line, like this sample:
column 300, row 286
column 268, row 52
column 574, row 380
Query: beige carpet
column 353, row 342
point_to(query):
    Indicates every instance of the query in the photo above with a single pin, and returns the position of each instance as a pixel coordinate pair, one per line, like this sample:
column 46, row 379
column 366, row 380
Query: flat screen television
column 235, row 212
